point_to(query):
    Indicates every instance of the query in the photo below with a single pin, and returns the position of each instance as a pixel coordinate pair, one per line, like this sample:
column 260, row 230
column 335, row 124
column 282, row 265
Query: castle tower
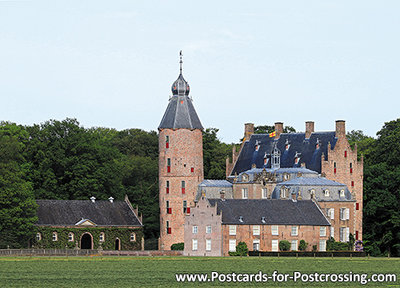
column 180, row 162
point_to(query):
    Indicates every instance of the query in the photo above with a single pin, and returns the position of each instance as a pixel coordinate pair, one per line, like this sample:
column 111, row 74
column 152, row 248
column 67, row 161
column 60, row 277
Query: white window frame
column 208, row 229
column 274, row 230
column 256, row 241
column 208, row 244
column 195, row 229
column 333, row 232
column 322, row 231
column 342, row 234
column 347, row 234
column 55, row 236
column 326, row 193
column 275, row 245
column 232, row 245
column 322, row 245
column 264, row 193
column 194, row 245
column 294, row 245
column 332, row 213
column 342, row 194
column 294, row 231
column 132, row 238
column 232, row 230
column 256, row 230
column 70, row 237
column 245, row 193
column 38, row 236
column 101, row 237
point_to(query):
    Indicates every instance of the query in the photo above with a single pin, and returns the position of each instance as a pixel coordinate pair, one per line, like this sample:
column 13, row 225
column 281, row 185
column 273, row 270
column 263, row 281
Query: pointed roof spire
column 180, row 86
column 181, row 62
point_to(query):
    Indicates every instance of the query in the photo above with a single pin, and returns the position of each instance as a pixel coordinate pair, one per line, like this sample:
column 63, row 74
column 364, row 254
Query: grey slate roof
column 276, row 212
column 298, row 143
column 215, row 183
column 180, row 113
column 308, row 181
column 101, row 212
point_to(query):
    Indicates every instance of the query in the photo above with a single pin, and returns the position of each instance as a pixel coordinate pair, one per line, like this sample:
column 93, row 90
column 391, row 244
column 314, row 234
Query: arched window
column 326, row 193
column 55, row 236
column 102, row 237
column 71, row 237
column 38, row 236
column 133, row 237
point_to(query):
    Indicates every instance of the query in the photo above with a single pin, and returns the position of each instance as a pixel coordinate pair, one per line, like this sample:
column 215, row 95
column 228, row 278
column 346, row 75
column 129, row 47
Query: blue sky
column 112, row 63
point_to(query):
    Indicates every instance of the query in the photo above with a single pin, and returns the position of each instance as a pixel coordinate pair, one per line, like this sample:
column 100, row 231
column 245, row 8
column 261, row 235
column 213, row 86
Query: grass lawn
column 160, row 271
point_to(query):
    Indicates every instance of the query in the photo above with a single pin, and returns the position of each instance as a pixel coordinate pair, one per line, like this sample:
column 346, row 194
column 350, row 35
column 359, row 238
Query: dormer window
column 276, row 158
column 318, row 144
column 284, row 191
column 285, row 176
column 257, row 146
column 263, row 220
column 326, row 193
column 241, row 219
column 287, row 145
column 266, row 156
column 342, row 193
column 297, row 158
column 245, row 178
column 312, row 193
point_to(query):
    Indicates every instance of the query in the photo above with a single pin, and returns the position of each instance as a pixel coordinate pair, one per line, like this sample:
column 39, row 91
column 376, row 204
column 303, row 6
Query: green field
column 160, row 271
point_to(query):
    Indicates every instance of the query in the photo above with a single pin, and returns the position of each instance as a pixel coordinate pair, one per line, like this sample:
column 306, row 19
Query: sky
column 112, row 63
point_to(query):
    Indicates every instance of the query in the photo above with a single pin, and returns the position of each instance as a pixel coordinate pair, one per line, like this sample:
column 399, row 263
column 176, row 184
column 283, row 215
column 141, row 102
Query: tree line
column 63, row 160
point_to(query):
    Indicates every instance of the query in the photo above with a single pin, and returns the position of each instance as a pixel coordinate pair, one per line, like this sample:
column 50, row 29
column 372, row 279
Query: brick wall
column 185, row 151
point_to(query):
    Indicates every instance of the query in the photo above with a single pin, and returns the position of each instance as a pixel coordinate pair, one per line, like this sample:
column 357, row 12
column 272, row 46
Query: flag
column 273, row 134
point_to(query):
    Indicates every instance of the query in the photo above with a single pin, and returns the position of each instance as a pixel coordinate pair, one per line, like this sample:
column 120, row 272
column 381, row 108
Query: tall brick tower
column 180, row 162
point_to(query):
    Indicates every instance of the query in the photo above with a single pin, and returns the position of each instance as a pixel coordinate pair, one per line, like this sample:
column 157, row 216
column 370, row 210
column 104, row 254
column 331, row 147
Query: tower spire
column 180, row 62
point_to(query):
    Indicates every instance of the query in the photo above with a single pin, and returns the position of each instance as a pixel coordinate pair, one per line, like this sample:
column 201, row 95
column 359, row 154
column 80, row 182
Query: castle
column 280, row 186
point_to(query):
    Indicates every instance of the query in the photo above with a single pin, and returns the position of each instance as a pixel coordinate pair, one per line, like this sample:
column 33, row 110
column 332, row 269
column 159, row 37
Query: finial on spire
column 180, row 62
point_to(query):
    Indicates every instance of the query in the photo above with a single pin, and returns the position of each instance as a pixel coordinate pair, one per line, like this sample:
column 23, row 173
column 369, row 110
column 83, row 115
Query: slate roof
column 180, row 113
column 315, row 181
column 276, row 212
column 215, row 183
column 298, row 143
column 101, row 212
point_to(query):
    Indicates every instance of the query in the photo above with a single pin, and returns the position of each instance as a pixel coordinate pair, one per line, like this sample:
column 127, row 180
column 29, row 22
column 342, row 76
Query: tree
column 284, row 245
column 17, row 203
column 265, row 129
column 303, row 245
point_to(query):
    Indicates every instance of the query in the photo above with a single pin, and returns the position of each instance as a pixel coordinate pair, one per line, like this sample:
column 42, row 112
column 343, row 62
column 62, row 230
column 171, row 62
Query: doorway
column 117, row 244
column 86, row 241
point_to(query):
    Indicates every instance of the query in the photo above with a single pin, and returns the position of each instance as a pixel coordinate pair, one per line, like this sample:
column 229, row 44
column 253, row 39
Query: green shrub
column 284, row 245
column 314, row 248
column 241, row 250
column 303, row 245
column 177, row 246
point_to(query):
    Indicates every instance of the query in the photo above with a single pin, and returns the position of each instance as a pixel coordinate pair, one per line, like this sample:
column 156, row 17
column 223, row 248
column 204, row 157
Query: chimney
column 278, row 129
column 93, row 199
column 309, row 128
column 111, row 199
column 340, row 128
column 248, row 130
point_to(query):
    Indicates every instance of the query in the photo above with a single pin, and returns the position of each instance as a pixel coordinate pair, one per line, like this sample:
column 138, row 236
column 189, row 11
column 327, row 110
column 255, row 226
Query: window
column 312, row 193
column 169, row 210
column 357, row 206
column 295, row 231
column 167, row 141
column 331, row 213
column 38, row 236
column 133, row 237
column 167, row 187
column 283, row 192
column 186, row 210
column 274, row 230
column 194, row 244
column 208, row 244
column 345, row 154
column 342, row 193
column 256, row 230
column 168, row 228
column 344, row 213
column 322, row 231
column 70, row 237
column 256, row 244
column 356, row 235
column 168, row 165
column 333, row 232
column 326, row 193
column 183, row 186
column 232, row 229
column 192, row 169
column 352, row 183
column 55, row 236
column 208, row 229
column 322, row 245
column 293, row 245
column 344, row 234
column 274, row 245
column 232, row 245
column 351, row 167
column 195, row 228
column 101, row 237
column 245, row 193
column 264, row 194
column 334, row 167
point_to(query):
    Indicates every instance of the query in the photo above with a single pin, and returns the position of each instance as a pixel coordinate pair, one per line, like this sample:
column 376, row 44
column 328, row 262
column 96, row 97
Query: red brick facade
column 184, row 149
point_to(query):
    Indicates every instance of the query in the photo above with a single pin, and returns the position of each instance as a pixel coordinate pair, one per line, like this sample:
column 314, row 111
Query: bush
column 241, row 250
column 303, row 245
column 332, row 245
column 314, row 248
column 177, row 246
column 284, row 245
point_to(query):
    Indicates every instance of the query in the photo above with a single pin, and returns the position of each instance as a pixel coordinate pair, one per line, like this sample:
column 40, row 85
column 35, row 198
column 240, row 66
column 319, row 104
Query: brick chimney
column 340, row 128
column 278, row 129
column 248, row 130
column 309, row 128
